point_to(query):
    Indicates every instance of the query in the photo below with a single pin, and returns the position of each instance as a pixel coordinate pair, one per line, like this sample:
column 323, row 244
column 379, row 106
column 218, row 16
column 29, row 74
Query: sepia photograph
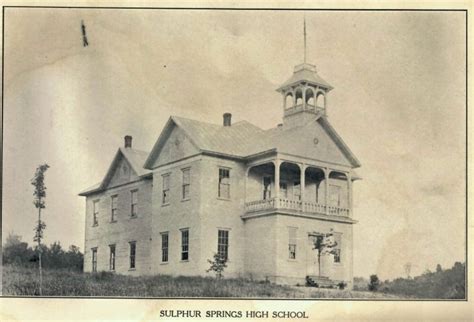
column 219, row 153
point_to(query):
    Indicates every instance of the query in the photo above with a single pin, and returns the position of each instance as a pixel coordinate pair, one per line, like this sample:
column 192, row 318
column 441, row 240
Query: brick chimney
column 227, row 119
column 128, row 141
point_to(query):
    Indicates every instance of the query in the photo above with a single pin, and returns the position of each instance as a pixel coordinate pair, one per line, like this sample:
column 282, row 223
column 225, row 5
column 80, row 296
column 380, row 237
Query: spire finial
column 304, row 34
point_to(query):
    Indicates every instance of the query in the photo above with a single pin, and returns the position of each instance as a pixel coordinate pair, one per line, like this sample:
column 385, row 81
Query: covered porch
column 302, row 187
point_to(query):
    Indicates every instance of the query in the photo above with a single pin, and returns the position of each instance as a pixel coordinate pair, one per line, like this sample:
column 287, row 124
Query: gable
column 176, row 145
column 121, row 173
column 314, row 142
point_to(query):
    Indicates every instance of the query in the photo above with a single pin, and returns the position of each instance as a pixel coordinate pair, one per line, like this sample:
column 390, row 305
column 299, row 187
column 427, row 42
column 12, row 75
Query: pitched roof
column 241, row 140
column 136, row 159
column 305, row 73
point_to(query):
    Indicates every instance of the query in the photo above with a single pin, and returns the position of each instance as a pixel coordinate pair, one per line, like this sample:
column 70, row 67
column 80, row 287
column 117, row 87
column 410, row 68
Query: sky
column 398, row 102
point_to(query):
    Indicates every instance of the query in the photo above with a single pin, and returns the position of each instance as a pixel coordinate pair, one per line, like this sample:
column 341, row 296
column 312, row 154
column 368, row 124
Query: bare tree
column 324, row 244
column 39, row 202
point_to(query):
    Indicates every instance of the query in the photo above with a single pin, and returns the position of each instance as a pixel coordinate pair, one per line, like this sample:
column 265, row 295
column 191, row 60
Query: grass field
column 24, row 281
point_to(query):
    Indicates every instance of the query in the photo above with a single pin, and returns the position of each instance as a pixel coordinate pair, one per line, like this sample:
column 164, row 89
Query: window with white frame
column 184, row 244
column 166, row 189
column 292, row 231
column 334, row 195
column 113, row 216
column 186, row 183
column 224, row 183
column 112, row 258
column 133, row 253
column 94, row 259
column 267, row 187
column 223, row 243
column 164, row 247
column 95, row 213
column 134, row 203
column 283, row 190
column 337, row 248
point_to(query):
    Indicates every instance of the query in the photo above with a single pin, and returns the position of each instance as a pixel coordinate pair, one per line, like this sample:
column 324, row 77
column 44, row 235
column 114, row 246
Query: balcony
column 294, row 205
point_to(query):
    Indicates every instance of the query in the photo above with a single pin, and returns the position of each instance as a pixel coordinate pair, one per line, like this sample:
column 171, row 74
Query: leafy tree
column 324, row 244
column 217, row 265
column 374, row 283
column 439, row 269
column 16, row 252
column 40, row 203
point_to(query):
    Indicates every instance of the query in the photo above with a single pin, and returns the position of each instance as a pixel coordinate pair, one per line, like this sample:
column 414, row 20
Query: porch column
column 326, row 190
column 302, row 183
column 303, row 96
column 276, row 163
column 349, row 193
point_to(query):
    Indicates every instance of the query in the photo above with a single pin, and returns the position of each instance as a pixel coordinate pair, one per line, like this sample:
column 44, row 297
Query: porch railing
column 297, row 205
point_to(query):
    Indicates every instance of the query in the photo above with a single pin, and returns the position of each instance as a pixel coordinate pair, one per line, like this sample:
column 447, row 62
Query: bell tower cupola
column 304, row 94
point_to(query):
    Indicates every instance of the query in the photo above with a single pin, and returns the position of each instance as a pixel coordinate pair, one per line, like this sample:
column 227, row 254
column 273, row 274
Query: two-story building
column 261, row 198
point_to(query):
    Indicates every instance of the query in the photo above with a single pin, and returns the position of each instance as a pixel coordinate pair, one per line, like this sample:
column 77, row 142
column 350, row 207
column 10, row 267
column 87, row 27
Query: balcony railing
column 297, row 205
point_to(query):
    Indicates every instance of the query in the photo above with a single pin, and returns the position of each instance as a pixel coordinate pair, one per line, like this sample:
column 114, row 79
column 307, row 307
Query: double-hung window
column 164, row 247
column 95, row 213
column 292, row 242
column 134, row 203
column 166, row 189
column 224, row 183
column 113, row 216
column 112, row 258
column 186, row 183
column 94, row 259
column 133, row 253
column 337, row 248
column 267, row 187
column 223, row 244
column 184, row 244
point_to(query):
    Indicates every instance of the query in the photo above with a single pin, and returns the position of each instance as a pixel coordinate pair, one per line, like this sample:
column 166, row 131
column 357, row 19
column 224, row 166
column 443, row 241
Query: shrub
column 374, row 283
column 342, row 285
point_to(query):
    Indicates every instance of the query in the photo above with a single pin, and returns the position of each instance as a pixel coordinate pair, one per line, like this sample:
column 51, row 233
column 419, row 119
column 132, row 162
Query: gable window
column 337, row 248
column 164, row 247
column 184, row 244
column 166, row 189
column 95, row 213
column 267, row 187
column 224, row 183
column 334, row 195
column 112, row 258
column 133, row 252
column 186, row 183
column 292, row 242
column 134, row 203
column 113, row 218
column 94, row 259
column 223, row 243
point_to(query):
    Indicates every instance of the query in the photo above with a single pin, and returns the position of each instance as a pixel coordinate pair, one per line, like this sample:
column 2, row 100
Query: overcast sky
column 398, row 102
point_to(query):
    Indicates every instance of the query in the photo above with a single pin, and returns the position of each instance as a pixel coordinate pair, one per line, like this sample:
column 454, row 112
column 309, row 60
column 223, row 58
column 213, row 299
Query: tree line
column 17, row 252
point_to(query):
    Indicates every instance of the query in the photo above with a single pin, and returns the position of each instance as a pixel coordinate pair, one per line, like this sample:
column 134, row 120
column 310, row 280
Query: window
column 95, row 219
column 224, row 183
column 114, row 209
column 186, row 183
column 133, row 252
column 164, row 247
column 337, row 248
column 94, row 259
column 112, row 258
column 267, row 188
column 184, row 244
column 134, row 203
column 292, row 242
column 297, row 190
column 334, row 195
column 223, row 243
column 166, row 189
column 283, row 190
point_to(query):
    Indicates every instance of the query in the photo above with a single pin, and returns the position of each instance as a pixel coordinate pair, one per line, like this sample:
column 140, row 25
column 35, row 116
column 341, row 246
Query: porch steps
column 321, row 281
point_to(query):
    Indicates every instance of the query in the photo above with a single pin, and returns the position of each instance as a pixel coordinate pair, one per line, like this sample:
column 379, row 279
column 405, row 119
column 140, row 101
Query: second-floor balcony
column 295, row 205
